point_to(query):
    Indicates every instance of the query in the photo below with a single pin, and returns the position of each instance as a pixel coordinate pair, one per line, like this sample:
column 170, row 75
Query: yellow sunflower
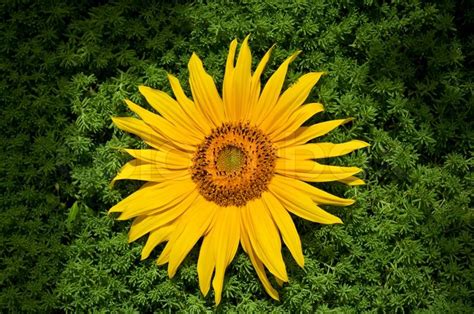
column 230, row 169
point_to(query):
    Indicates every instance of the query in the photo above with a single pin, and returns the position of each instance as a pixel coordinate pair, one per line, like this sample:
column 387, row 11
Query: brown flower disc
column 234, row 164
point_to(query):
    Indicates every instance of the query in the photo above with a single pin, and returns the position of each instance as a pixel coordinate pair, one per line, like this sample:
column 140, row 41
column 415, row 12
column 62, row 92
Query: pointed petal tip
column 348, row 120
column 269, row 51
column 356, row 182
column 194, row 56
column 337, row 221
column 300, row 262
column 171, row 271
column 114, row 120
column 130, row 104
column 122, row 217
column 365, row 144
column 193, row 60
column 283, row 276
column 143, row 89
column 233, row 45
column 113, row 210
column 118, row 121
column 294, row 55
column 345, row 202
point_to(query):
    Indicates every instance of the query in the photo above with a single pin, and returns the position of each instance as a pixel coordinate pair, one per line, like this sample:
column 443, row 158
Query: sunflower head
column 231, row 169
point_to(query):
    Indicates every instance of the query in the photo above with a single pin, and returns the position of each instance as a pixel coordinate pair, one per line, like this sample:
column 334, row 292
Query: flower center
column 234, row 164
column 230, row 159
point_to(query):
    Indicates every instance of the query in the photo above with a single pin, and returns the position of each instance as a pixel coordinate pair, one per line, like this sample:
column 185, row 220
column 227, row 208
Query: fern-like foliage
column 403, row 69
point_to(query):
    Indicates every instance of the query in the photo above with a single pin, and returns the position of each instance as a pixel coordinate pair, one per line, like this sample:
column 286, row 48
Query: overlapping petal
column 286, row 227
column 204, row 92
column 225, row 237
column 271, row 92
column 153, row 198
column 143, row 171
column 289, row 101
column 320, row 150
column 295, row 121
column 264, row 237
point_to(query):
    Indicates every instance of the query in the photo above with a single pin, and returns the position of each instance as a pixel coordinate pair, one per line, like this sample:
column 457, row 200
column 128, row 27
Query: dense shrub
column 402, row 69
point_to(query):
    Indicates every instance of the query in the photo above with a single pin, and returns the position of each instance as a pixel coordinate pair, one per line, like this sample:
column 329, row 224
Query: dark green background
column 403, row 69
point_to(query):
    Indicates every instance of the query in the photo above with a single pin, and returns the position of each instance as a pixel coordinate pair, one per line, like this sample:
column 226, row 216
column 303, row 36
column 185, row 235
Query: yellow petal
column 206, row 264
column 165, row 254
column 286, row 226
column 305, row 134
column 225, row 240
column 301, row 205
column 139, row 170
column 170, row 159
column 178, row 136
column 320, row 150
column 272, row 89
column 194, row 226
column 138, row 198
column 155, row 199
column 257, row 263
column 179, row 93
column 317, row 195
column 291, row 99
column 156, row 237
column 204, row 91
column 241, row 82
column 227, row 86
column 255, row 87
column 156, row 220
column 312, row 171
column 264, row 237
column 188, row 106
column 295, row 121
column 170, row 110
column 352, row 181
column 180, row 225
column 158, row 205
column 143, row 130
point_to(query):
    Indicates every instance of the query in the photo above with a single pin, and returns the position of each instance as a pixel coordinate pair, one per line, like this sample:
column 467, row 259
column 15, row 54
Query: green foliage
column 402, row 69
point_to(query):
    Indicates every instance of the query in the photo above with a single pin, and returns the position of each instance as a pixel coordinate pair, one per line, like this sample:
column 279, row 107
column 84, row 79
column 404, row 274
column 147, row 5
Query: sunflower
column 230, row 169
